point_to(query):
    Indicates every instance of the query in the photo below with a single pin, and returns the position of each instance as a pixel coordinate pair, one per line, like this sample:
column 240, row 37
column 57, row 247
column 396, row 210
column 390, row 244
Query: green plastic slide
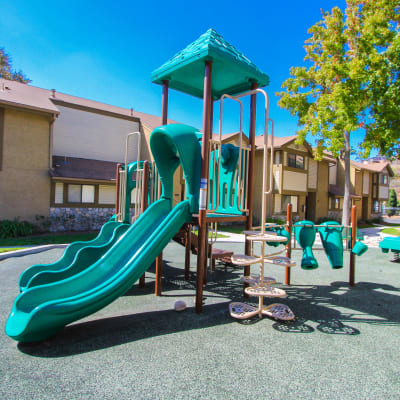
column 83, row 259
column 40, row 311
column 76, row 255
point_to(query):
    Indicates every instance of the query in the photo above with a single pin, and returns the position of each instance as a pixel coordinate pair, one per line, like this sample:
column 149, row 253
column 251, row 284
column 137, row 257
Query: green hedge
column 15, row 228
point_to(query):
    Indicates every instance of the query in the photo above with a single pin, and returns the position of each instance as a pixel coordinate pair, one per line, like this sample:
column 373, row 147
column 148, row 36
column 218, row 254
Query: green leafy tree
column 6, row 70
column 350, row 83
column 392, row 202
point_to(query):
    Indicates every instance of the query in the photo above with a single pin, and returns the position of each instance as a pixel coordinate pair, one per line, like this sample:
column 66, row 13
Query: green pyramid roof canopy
column 232, row 72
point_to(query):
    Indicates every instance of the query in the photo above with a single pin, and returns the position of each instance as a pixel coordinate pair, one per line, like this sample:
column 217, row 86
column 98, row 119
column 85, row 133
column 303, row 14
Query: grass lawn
column 234, row 228
column 392, row 231
column 6, row 250
column 58, row 238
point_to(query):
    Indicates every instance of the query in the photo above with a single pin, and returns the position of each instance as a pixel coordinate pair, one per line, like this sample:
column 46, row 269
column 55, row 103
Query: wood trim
column 293, row 193
column 79, row 180
column 292, row 169
column 95, row 110
column 27, row 108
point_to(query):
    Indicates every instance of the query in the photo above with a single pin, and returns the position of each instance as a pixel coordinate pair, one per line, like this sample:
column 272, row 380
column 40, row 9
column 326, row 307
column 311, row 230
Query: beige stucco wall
column 24, row 177
column 322, row 195
column 85, row 134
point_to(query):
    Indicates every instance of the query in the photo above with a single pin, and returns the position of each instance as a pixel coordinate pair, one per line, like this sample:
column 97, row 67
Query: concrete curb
column 31, row 250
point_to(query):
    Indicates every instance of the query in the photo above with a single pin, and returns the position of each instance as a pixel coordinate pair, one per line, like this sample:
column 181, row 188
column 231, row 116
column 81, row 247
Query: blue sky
column 106, row 51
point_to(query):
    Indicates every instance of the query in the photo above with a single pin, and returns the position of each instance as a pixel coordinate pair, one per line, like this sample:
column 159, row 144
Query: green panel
column 232, row 72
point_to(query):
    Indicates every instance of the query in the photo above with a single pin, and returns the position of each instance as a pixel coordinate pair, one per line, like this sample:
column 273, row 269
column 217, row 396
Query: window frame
column 294, row 159
column 290, row 196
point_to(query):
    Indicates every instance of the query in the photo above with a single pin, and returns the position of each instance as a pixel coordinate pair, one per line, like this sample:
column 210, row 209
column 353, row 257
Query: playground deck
column 343, row 343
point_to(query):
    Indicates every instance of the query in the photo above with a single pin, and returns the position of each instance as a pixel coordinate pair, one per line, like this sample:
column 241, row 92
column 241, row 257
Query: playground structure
column 102, row 276
column 391, row 244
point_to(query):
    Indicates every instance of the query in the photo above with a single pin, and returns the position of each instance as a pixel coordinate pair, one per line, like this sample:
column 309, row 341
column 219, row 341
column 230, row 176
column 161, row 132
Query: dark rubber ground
column 344, row 343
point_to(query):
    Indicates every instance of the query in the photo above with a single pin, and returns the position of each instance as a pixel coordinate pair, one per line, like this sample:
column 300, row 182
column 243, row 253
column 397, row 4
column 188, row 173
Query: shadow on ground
column 332, row 308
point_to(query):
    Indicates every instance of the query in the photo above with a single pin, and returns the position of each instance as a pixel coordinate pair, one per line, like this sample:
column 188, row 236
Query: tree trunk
column 347, row 183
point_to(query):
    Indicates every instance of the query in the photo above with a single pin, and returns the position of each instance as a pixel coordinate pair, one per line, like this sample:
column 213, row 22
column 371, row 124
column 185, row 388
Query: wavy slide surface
column 77, row 256
column 41, row 311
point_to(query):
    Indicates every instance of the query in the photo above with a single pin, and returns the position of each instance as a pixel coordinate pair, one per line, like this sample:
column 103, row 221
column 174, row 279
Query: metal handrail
column 241, row 197
column 265, row 148
column 124, row 180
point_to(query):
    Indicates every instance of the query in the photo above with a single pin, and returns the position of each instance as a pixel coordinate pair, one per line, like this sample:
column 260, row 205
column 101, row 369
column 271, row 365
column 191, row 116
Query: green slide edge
column 106, row 232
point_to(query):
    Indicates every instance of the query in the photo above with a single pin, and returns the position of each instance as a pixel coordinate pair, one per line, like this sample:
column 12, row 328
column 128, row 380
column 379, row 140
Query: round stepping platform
column 280, row 260
column 242, row 310
column 266, row 237
column 255, row 233
column 265, row 290
column 278, row 311
column 255, row 280
column 242, row 259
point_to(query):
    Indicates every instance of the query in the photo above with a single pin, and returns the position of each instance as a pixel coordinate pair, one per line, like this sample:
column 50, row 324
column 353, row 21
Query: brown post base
column 158, row 287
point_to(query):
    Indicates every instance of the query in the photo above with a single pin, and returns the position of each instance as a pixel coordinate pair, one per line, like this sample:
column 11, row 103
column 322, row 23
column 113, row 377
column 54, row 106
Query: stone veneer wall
column 78, row 219
column 335, row 215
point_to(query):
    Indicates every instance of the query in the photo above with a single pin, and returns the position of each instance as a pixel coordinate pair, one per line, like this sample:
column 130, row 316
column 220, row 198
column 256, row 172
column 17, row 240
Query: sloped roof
column 21, row 95
column 374, row 166
column 279, row 141
column 18, row 94
column 232, row 72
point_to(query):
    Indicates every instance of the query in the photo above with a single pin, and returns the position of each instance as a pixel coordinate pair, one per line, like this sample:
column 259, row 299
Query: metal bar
column 145, row 203
column 289, row 221
column 188, row 245
column 164, row 120
column 117, row 194
column 353, row 241
column 201, row 257
column 250, row 174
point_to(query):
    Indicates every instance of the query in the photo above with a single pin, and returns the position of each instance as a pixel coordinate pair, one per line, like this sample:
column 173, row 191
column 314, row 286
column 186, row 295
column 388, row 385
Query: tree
column 392, row 202
column 351, row 83
column 6, row 70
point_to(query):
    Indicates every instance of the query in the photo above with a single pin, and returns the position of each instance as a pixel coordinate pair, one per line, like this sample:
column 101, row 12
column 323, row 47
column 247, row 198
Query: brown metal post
column 188, row 245
column 117, row 184
column 202, row 239
column 250, row 177
column 289, row 222
column 353, row 241
column 164, row 120
column 145, row 204
column 164, row 105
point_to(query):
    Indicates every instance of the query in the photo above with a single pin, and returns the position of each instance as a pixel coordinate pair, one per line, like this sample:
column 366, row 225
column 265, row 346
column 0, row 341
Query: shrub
column 15, row 228
column 42, row 223
column 275, row 220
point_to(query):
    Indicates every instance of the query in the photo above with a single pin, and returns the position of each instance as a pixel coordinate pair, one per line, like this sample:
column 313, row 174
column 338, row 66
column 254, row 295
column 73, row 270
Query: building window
column 384, row 179
column 289, row 199
column 59, row 193
column 277, row 158
column 106, row 194
column 295, row 161
column 81, row 193
column 376, row 206
column 335, row 203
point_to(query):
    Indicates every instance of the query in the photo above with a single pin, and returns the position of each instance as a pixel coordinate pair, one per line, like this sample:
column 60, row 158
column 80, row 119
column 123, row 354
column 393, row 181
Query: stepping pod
column 331, row 237
column 305, row 236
